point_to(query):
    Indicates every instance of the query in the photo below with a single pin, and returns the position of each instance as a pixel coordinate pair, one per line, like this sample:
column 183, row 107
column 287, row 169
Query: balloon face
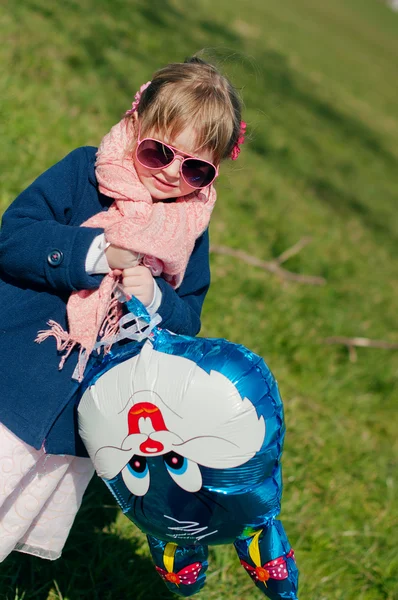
column 187, row 433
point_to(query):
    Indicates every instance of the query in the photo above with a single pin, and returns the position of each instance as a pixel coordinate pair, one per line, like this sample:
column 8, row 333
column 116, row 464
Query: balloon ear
column 269, row 560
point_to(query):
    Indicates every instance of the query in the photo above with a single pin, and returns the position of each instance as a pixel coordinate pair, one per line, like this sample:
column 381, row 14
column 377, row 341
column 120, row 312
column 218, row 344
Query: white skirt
column 40, row 495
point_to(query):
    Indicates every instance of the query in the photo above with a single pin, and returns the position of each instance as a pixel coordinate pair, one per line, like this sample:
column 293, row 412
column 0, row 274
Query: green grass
column 320, row 88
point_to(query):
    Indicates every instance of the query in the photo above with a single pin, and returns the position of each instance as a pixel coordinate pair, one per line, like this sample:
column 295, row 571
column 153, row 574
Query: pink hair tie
column 137, row 99
column 236, row 149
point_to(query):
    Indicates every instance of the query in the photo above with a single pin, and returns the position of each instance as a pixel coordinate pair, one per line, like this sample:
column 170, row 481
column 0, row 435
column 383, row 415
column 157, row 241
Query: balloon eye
column 175, row 462
column 138, row 465
column 136, row 475
column 184, row 472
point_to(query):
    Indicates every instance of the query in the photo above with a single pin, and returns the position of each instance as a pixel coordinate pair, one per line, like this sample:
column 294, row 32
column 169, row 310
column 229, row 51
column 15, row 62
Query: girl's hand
column 138, row 281
column 119, row 258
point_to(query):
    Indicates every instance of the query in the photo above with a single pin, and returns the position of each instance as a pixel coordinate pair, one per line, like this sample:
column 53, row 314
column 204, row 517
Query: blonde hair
column 193, row 93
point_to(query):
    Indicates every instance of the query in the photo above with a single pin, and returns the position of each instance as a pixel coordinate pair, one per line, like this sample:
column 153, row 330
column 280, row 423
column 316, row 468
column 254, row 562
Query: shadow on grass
column 278, row 78
column 290, row 89
column 96, row 564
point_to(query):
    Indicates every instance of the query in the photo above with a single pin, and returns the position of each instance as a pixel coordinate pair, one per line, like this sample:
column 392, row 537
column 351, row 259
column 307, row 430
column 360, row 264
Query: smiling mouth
column 165, row 183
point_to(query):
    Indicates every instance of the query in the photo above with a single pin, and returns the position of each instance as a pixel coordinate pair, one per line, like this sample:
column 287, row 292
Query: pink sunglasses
column 153, row 154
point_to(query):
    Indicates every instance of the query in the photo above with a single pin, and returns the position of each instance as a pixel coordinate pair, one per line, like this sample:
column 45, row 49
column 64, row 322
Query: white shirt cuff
column 96, row 262
column 156, row 300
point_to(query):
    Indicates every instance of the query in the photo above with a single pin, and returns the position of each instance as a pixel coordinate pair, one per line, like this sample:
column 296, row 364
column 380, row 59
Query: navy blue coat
column 42, row 260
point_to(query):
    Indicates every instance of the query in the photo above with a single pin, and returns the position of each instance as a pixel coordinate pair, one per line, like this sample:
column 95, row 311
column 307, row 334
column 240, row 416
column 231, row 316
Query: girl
column 134, row 213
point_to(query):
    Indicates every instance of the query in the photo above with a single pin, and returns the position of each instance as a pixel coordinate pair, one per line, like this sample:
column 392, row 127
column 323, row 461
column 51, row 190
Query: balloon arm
column 182, row 568
column 267, row 557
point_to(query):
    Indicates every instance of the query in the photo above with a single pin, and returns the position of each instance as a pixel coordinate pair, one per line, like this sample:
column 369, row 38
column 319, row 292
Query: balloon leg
column 269, row 560
column 182, row 568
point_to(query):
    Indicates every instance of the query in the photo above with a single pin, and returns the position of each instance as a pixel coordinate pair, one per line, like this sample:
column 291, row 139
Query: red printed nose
column 151, row 446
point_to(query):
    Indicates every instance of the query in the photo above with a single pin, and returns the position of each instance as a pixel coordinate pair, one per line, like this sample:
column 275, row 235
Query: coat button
column 55, row 258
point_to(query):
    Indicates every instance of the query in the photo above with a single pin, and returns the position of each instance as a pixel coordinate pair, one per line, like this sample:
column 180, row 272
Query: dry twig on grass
column 274, row 265
column 359, row 342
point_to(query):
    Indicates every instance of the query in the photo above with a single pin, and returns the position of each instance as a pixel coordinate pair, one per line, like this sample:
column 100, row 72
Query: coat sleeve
column 181, row 309
column 38, row 246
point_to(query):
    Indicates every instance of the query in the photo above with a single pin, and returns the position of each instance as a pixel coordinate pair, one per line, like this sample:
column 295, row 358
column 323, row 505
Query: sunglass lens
column 154, row 155
column 198, row 173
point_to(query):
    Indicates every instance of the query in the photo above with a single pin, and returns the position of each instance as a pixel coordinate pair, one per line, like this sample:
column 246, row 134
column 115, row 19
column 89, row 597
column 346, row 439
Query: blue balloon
column 187, row 433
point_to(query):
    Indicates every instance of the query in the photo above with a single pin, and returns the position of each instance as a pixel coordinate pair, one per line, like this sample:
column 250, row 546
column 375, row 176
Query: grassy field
column 319, row 82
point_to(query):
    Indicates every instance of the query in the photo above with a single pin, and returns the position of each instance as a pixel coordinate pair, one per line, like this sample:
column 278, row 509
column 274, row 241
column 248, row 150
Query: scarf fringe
column 65, row 343
column 63, row 339
column 115, row 327
column 110, row 327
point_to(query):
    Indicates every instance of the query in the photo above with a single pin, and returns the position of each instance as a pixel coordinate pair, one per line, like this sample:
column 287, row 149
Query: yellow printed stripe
column 254, row 550
column 168, row 556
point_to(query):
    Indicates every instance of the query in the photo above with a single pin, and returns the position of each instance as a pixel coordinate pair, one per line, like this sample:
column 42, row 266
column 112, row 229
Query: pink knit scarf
column 163, row 234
